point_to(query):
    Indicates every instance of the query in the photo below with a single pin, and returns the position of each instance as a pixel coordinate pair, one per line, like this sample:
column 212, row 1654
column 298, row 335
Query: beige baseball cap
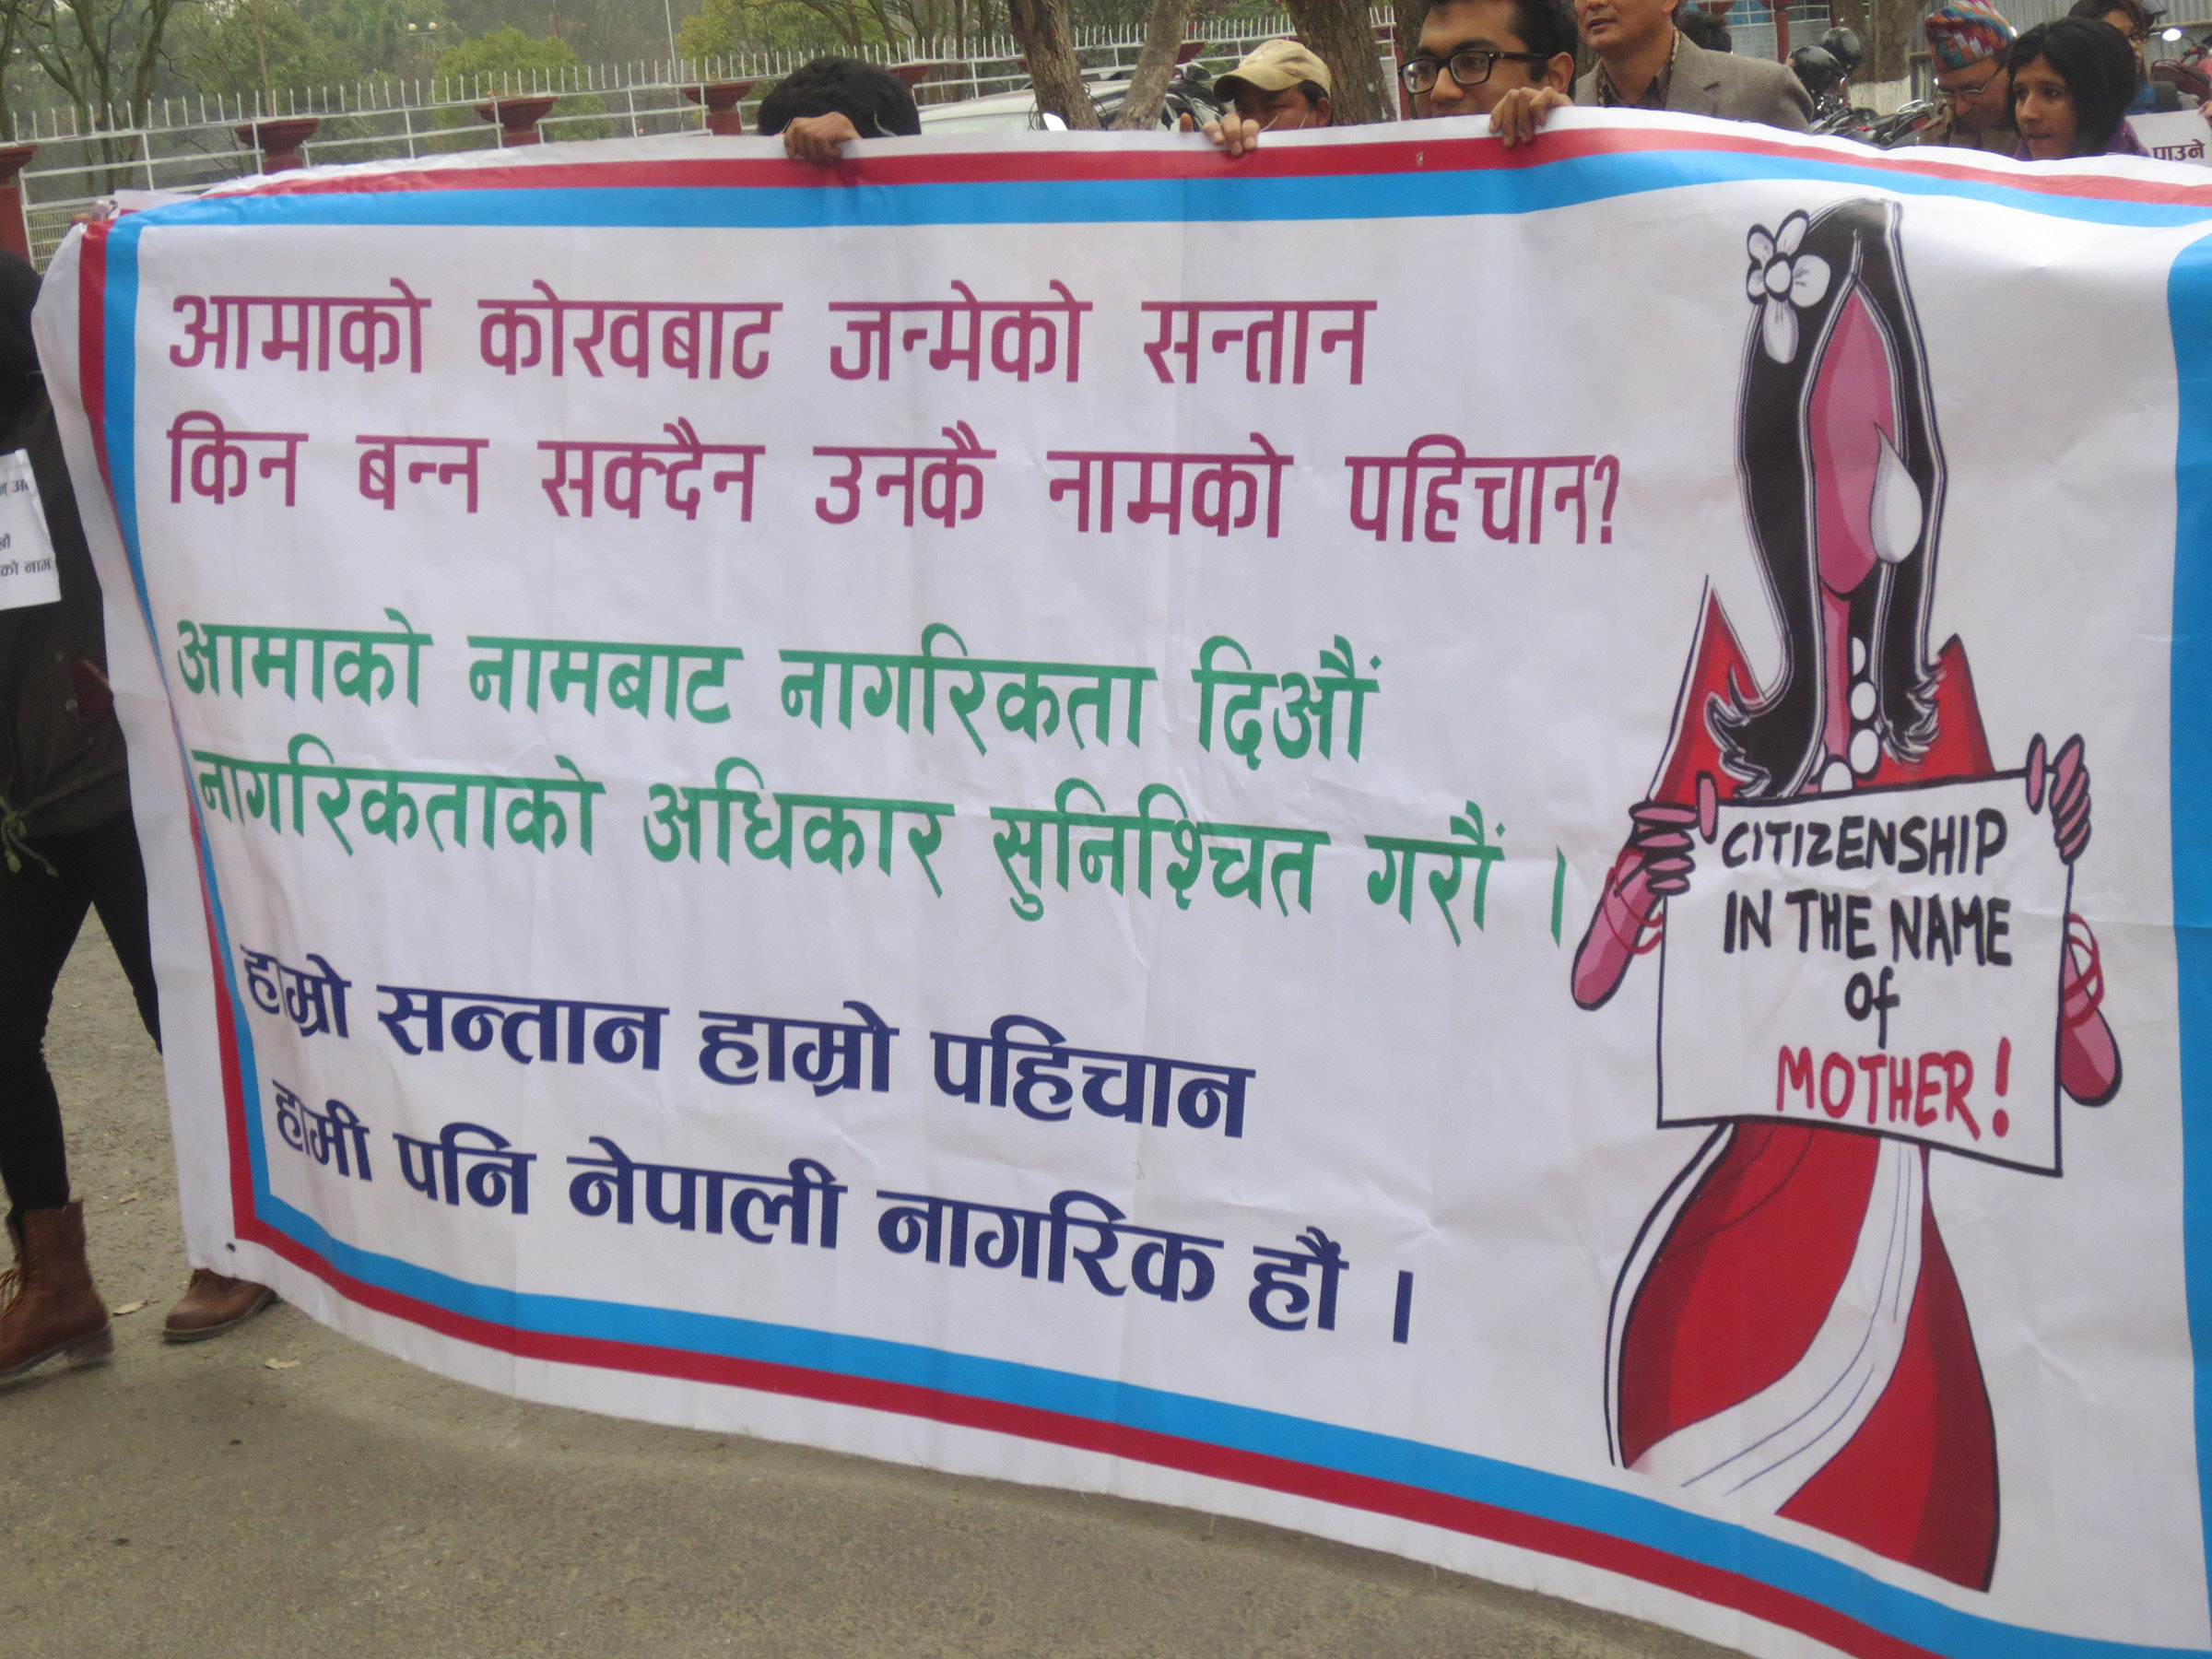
column 1274, row 67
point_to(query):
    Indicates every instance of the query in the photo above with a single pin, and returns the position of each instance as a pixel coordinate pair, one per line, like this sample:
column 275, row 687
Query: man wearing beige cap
column 1280, row 87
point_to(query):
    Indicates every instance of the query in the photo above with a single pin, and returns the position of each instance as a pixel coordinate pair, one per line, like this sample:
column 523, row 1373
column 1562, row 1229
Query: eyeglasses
column 1962, row 94
column 1469, row 67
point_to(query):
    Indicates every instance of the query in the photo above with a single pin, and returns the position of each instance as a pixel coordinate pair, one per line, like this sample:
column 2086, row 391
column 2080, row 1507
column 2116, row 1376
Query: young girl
column 2072, row 82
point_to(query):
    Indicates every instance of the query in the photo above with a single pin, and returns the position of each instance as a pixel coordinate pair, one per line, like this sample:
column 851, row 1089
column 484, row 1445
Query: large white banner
column 1380, row 839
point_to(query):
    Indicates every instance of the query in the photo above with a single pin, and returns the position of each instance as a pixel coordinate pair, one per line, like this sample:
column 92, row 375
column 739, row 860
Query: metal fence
column 189, row 144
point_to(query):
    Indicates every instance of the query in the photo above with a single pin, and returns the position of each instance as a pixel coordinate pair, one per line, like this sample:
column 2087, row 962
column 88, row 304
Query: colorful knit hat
column 1966, row 33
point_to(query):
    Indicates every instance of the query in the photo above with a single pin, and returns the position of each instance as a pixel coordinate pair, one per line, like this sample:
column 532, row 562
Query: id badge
column 27, row 575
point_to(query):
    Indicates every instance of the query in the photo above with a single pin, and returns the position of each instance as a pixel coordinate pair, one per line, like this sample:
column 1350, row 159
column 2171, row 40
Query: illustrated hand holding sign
column 1887, row 960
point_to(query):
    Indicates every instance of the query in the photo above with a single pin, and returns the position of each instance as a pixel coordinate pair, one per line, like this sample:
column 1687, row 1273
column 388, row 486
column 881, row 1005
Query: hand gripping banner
column 1501, row 857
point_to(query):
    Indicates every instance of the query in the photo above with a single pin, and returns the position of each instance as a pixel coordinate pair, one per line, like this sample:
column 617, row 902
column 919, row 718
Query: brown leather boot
column 212, row 1304
column 48, row 1306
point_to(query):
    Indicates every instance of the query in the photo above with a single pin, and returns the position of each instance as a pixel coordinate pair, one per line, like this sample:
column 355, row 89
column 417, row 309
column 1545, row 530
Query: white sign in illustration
column 1886, row 959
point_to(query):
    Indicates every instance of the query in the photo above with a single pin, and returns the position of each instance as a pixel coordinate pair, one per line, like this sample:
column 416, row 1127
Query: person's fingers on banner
column 1233, row 136
column 1516, row 118
column 819, row 138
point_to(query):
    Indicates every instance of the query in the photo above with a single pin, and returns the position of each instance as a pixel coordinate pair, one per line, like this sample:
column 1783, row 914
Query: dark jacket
column 61, row 750
column 1719, row 83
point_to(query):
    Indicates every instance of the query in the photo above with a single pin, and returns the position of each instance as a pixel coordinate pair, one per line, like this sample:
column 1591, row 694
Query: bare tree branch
column 1409, row 16
column 1342, row 37
column 1155, row 63
column 1042, row 27
column 1895, row 31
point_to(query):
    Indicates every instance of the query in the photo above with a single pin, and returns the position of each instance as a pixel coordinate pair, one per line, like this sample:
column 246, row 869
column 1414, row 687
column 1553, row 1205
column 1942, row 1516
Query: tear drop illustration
column 1897, row 509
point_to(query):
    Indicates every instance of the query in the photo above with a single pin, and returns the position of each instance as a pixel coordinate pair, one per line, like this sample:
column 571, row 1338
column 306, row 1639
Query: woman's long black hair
column 1773, row 743
column 2098, row 67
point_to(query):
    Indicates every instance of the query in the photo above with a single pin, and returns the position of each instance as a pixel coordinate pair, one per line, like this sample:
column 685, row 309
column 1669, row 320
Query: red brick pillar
column 518, row 118
column 719, row 99
column 913, row 75
column 15, row 232
column 280, row 141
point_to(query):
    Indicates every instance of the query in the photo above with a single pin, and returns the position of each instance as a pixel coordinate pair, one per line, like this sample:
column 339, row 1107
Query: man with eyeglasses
column 1474, row 53
column 1471, row 54
column 2134, row 22
column 1968, row 41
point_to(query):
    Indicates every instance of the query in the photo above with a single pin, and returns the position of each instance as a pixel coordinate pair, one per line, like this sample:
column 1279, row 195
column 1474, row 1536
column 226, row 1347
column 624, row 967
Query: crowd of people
column 67, row 843
column 2059, row 90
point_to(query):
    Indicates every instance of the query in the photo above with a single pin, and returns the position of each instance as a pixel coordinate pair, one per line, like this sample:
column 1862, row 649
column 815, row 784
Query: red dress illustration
column 1788, row 1334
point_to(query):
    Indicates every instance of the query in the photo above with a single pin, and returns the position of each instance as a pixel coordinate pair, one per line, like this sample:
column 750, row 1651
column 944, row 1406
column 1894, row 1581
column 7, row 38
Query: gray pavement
column 194, row 1500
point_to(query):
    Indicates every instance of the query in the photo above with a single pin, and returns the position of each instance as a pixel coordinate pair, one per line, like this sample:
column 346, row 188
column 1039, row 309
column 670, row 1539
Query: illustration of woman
column 1788, row 1333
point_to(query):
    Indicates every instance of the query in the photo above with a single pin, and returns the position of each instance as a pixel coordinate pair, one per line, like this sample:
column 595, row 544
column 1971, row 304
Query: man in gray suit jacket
column 1644, row 62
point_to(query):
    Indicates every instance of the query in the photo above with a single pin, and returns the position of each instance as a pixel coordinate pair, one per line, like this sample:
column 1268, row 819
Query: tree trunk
column 1853, row 15
column 1155, row 63
column 1340, row 35
column 1895, row 31
column 1411, row 15
column 1040, row 27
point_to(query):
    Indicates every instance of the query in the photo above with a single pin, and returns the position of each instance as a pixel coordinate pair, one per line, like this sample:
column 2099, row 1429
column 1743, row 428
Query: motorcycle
column 1905, row 123
column 2188, row 72
column 1825, row 71
column 1190, row 93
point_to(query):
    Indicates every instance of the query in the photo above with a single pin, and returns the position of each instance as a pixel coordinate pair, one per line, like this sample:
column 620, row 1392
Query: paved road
column 193, row 1500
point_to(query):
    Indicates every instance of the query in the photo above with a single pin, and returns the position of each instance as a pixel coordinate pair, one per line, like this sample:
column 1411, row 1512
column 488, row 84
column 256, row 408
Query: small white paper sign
column 2177, row 136
column 27, row 575
column 1885, row 960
